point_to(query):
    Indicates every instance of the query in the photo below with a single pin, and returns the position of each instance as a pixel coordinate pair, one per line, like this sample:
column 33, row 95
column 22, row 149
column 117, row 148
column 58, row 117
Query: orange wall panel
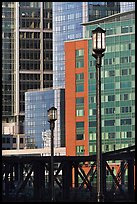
column 70, row 96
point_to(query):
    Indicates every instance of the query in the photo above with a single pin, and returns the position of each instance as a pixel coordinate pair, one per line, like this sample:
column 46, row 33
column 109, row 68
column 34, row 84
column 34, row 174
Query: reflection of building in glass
column 117, row 87
column 27, row 56
column 46, row 137
column 37, row 102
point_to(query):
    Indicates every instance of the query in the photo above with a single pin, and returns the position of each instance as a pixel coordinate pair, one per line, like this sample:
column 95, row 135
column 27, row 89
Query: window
column 92, row 99
column 109, row 86
column 124, row 71
column 80, row 63
column 93, row 63
column 80, row 106
column 110, row 61
column 80, row 53
column 21, row 140
column 125, row 84
column 125, row 109
column 125, row 97
column 124, row 29
column 3, row 140
column 112, row 73
column 111, row 135
column 92, row 75
column 79, row 58
column 111, row 98
column 79, row 76
column 92, row 124
column 105, row 61
column 80, row 136
column 79, row 125
column 80, row 101
column 109, row 31
column 92, row 149
column 8, row 140
column 94, row 111
column 80, row 150
column 109, row 122
column 109, row 110
column 92, row 88
column 80, row 87
column 79, row 111
column 124, row 60
column 107, row 148
column 125, row 121
column 14, row 140
column 92, row 136
column 129, row 134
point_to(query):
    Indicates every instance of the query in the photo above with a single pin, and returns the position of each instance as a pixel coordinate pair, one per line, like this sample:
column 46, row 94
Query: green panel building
column 117, row 83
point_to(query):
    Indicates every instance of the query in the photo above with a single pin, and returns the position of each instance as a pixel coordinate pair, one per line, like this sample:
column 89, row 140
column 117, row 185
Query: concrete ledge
column 41, row 151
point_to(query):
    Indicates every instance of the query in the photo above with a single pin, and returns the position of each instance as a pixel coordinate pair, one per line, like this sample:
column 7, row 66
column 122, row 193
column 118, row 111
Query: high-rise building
column 117, row 87
column 37, row 127
column 27, row 49
column 67, row 19
column 127, row 6
column 26, row 57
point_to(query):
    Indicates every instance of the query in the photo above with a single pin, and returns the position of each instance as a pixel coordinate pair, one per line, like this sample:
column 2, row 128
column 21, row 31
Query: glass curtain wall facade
column 98, row 10
column 37, row 127
column 67, row 19
column 27, row 54
column 127, row 6
column 117, row 85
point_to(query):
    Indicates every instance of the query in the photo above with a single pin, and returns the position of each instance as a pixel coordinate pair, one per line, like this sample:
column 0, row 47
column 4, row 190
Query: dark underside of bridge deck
column 28, row 178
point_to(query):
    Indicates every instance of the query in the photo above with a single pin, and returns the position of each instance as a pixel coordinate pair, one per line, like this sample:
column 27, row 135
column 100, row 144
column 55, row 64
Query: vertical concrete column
column 18, row 141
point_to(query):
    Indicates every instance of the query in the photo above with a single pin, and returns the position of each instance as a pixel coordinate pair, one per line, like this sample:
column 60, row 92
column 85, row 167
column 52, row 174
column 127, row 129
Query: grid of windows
column 31, row 50
column 67, row 19
column 36, row 120
column 32, row 21
column 117, row 86
column 8, row 41
column 80, row 106
column 102, row 9
column 79, row 58
column 80, row 150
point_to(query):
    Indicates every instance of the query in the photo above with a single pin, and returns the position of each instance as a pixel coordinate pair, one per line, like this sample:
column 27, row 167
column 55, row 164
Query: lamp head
column 52, row 114
column 98, row 41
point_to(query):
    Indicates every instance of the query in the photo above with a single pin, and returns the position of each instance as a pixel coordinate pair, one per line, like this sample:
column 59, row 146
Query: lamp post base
column 100, row 197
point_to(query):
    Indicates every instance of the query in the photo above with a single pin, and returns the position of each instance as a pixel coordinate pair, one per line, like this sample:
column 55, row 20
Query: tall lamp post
column 52, row 117
column 98, row 47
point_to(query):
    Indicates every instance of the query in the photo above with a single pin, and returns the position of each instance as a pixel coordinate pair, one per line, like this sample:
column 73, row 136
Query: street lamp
column 52, row 117
column 98, row 47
